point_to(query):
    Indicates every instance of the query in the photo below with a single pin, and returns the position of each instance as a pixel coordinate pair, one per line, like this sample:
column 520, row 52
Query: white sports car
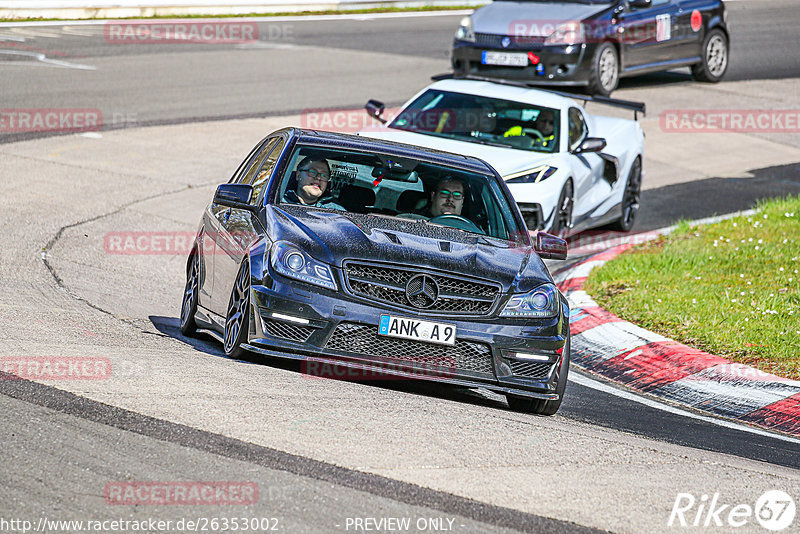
column 568, row 170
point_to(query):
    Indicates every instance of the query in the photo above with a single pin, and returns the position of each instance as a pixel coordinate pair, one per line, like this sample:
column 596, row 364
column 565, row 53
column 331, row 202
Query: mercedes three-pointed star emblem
column 422, row 291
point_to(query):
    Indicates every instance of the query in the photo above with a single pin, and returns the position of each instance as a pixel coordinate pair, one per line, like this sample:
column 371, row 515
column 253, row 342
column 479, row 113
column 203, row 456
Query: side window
column 577, row 128
column 237, row 176
column 247, row 178
column 265, row 172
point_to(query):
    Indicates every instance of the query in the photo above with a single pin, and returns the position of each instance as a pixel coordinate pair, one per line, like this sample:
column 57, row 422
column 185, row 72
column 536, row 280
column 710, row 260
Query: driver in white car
column 448, row 198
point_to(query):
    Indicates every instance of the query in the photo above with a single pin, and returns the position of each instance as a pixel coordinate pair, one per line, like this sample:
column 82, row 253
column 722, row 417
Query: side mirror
column 375, row 110
column 640, row 4
column 550, row 247
column 591, row 144
column 235, row 196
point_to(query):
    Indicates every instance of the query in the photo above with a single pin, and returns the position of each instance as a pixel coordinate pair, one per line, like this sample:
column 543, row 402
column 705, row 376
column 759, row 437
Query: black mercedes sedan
column 592, row 43
column 366, row 254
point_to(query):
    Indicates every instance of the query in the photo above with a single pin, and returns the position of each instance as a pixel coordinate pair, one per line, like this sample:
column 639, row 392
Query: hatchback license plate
column 406, row 328
column 507, row 59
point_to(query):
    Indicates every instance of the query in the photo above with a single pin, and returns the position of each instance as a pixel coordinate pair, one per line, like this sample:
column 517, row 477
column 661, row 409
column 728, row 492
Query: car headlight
column 292, row 262
column 533, row 176
column 541, row 303
column 465, row 31
column 568, row 33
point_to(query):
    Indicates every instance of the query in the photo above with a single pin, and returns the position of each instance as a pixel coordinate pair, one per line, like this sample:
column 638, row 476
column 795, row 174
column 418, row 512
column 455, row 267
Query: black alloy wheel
column 237, row 320
column 562, row 218
column 189, row 304
column 630, row 198
column 604, row 76
column 715, row 58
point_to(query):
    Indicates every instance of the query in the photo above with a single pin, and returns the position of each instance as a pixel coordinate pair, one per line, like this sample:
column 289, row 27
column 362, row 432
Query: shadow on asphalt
column 668, row 205
column 169, row 326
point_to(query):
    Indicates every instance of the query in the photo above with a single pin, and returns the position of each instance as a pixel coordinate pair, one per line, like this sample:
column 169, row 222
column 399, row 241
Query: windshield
column 387, row 186
column 481, row 119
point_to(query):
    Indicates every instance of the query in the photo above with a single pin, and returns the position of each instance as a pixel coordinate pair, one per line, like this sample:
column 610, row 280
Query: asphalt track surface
column 323, row 451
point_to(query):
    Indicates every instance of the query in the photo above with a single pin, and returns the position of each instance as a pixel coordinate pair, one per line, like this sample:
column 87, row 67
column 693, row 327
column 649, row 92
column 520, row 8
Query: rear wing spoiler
column 636, row 107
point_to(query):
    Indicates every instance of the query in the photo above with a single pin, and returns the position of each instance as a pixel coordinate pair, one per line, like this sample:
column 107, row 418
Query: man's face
column 312, row 181
column 444, row 201
column 545, row 124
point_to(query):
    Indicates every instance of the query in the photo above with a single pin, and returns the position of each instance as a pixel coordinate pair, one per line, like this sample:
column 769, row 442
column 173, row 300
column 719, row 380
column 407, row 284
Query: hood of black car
column 334, row 236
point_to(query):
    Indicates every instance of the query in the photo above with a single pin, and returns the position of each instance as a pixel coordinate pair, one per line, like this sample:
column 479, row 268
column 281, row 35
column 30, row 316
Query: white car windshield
column 480, row 119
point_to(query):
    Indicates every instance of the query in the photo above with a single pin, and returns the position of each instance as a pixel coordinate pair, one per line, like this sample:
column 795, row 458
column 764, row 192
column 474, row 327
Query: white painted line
column 287, row 18
column 38, row 57
column 599, row 386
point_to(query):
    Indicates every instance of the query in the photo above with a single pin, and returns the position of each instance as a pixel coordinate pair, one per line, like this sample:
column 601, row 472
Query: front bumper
column 557, row 65
column 295, row 320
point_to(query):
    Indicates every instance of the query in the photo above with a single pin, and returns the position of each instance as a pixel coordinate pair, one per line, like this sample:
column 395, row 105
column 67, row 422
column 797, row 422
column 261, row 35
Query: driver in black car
column 448, row 198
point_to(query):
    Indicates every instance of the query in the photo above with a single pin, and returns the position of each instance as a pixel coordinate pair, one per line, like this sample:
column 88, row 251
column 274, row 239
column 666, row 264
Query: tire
column 190, row 296
column 237, row 320
column 715, row 58
column 604, row 76
column 630, row 198
column 562, row 217
column 541, row 406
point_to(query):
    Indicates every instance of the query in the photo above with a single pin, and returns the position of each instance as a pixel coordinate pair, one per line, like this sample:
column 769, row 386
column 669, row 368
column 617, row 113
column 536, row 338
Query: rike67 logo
column 774, row 510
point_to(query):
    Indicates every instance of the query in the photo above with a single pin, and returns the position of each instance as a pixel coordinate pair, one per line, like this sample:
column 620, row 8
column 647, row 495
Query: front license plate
column 403, row 327
column 507, row 59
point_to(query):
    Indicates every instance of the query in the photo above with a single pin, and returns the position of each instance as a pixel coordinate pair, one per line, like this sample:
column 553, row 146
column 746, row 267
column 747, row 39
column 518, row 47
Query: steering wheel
column 457, row 221
column 537, row 133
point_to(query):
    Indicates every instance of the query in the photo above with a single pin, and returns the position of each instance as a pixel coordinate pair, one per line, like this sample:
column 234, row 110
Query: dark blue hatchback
column 387, row 258
column 592, row 43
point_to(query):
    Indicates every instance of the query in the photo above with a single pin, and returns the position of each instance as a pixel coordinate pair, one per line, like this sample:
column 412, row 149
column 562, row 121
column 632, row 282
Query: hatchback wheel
column 715, row 58
column 605, row 70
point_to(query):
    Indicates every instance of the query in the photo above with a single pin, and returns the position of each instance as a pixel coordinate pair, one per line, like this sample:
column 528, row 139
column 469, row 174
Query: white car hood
column 506, row 161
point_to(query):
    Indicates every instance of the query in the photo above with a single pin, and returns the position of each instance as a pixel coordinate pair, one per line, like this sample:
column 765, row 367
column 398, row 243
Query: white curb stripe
column 612, row 339
column 579, row 299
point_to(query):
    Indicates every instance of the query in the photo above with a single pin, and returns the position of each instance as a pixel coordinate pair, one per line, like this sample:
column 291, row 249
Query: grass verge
column 730, row 288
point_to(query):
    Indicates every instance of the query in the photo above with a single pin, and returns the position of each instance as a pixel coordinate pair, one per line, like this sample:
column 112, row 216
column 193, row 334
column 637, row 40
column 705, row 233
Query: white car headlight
column 465, row 31
column 292, row 262
column 533, row 176
column 542, row 302
column 568, row 33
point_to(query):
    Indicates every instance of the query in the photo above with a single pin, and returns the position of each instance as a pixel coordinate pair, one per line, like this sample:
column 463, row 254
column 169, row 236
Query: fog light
column 298, row 320
column 530, row 357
